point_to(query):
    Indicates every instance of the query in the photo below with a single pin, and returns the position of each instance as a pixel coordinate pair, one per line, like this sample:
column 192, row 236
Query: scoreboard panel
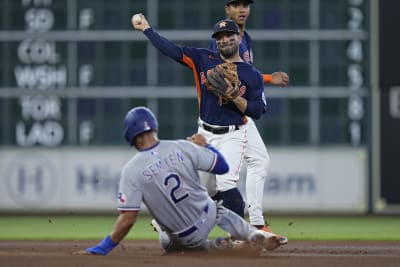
column 71, row 69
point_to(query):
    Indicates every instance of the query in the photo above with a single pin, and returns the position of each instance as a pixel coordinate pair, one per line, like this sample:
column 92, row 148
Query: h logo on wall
column 30, row 180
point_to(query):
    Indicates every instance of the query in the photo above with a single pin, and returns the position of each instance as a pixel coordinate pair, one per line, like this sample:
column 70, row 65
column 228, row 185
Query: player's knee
column 233, row 200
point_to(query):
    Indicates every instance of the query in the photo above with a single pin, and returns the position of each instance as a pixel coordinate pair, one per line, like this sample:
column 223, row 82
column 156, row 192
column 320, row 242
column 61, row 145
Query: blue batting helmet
column 139, row 120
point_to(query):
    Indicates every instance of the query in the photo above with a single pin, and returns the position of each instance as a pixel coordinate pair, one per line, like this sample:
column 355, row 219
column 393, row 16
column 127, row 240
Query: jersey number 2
column 175, row 195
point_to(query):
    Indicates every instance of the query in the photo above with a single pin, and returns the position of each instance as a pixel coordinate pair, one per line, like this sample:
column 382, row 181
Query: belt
column 193, row 228
column 219, row 129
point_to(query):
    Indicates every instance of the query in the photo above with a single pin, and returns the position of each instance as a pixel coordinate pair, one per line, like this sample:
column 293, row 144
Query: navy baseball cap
column 225, row 25
column 245, row 1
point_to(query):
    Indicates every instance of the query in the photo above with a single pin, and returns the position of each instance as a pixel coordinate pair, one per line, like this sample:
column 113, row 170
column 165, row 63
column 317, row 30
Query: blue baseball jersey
column 244, row 48
column 201, row 61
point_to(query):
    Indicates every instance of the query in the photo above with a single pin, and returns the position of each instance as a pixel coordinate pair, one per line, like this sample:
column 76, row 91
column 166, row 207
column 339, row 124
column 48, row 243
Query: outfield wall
column 302, row 180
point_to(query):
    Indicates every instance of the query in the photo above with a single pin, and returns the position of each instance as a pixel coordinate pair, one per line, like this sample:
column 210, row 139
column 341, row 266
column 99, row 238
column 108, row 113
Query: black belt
column 193, row 228
column 219, row 129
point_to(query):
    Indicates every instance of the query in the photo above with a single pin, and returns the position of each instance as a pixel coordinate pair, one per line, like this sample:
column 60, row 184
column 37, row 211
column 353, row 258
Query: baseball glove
column 223, row 81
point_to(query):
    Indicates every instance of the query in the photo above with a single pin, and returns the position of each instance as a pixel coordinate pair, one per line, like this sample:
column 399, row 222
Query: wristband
column 104, row 247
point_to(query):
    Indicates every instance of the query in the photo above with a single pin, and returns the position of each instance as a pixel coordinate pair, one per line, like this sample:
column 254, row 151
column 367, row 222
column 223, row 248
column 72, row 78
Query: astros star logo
column 222, row 24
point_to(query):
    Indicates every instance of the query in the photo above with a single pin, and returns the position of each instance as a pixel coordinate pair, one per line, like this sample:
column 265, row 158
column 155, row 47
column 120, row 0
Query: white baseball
column 136, row 19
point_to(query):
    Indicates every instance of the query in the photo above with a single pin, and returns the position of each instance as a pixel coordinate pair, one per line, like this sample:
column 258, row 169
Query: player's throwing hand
column 140, row 25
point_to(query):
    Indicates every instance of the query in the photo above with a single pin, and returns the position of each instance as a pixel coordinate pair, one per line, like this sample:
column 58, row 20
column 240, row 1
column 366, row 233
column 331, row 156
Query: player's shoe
column 165, row 240
column 283, row 240
column 156, row 227
column 263, row 240
column 237, row 243
column 222, row 243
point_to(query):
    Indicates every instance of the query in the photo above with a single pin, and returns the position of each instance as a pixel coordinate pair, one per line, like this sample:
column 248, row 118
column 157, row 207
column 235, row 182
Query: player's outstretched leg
column 239, row 229
column 283, row 240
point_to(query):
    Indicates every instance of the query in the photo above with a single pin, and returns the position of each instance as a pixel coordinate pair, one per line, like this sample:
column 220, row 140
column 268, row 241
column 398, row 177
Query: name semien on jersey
column 163, row 164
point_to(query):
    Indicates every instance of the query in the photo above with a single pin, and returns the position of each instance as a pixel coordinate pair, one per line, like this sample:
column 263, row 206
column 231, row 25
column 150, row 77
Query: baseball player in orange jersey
column 256, row 154
column 223, row 125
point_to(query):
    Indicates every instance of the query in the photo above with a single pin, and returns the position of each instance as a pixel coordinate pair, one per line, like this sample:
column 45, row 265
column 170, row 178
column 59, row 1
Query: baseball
column 136, row 19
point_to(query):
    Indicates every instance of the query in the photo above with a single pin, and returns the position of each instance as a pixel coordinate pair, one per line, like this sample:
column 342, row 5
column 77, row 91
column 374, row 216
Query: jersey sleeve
column 203, row 159
column 220, row 166
column 129, row 194
column 267, row 78
column 181, row 54
column 256, row 102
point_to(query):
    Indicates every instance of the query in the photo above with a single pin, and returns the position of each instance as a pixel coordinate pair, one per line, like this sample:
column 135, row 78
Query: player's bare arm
column 277, row 78
column 280, row 78
column 124, row 223
column 240, row 103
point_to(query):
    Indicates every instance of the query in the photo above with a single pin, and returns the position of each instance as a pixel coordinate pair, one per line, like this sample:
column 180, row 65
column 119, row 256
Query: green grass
column 339, row 228
column 53, row 227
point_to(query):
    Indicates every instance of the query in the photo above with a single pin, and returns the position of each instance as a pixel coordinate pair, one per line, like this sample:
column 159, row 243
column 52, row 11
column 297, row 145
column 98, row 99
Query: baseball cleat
column 165, row 240
column 263, row 240
column 222, row 243
column 239, row 243
column 283, row 240
column 156, row 227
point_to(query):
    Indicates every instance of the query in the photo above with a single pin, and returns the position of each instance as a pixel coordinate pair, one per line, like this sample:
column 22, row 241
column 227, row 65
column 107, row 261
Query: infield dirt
column 148, row 253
